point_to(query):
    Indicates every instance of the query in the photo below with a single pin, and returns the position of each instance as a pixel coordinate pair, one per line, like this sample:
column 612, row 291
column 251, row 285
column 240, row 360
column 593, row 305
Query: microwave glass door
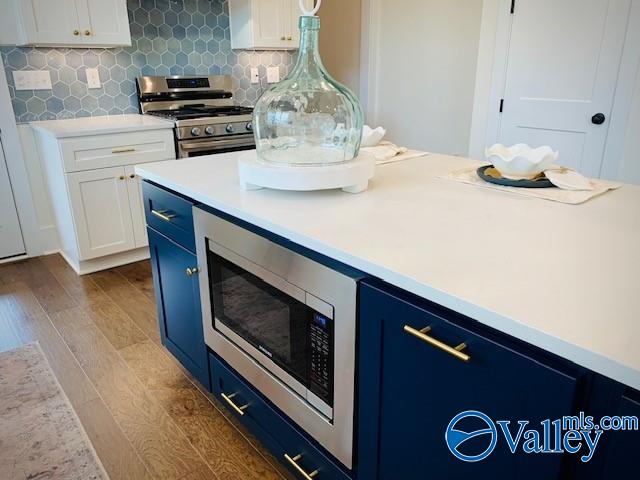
column 279, row 326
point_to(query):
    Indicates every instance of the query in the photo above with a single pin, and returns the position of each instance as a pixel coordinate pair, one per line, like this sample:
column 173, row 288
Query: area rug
column 41, row 437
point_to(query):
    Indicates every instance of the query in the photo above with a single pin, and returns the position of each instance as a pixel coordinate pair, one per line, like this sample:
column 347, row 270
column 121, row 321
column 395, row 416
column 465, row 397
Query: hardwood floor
column 145, row 415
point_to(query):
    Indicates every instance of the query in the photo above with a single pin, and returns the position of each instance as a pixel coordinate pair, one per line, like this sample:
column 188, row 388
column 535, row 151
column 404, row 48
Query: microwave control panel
column 321, row 357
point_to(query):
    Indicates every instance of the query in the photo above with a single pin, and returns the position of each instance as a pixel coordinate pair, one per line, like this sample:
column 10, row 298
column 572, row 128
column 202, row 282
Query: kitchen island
column 546, row 293
column 565, row 278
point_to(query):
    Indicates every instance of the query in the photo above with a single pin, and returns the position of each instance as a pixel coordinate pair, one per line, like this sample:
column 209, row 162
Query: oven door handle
column 215, row 144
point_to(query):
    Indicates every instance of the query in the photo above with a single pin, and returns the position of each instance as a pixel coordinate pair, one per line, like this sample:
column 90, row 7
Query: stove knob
column 229, row 128
column 195, row 131
column 249, row 126
column 209, row 130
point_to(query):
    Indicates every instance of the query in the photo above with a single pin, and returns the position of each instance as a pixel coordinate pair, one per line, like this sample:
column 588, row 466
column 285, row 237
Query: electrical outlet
column 32, row 80
column 273, row 74
column 255, row 75
column 93, row 77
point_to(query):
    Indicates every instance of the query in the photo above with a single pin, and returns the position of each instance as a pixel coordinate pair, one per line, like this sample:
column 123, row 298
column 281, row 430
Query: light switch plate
column 32, row 80
column 273, row 74
column 93, row 78
column 255, row 75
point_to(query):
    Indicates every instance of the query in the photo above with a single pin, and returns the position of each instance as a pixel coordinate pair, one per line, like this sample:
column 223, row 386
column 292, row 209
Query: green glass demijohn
column 308, row 118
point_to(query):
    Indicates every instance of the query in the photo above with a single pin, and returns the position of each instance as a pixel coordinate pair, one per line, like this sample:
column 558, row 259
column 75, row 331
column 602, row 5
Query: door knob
column 598, row 119
column 192, row 271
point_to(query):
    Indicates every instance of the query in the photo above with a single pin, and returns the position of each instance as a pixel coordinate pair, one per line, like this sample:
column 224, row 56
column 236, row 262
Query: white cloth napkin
column 387, row 152
column 568, row 179
column 571, row 196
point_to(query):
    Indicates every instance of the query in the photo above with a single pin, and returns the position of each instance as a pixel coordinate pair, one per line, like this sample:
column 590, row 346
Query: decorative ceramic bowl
column 520, row 160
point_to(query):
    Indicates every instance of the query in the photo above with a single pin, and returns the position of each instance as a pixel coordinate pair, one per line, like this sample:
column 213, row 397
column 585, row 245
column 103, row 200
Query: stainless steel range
column 206, row 119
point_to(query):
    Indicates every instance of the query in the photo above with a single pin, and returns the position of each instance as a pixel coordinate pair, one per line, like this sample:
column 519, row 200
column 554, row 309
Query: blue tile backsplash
column 177, row 37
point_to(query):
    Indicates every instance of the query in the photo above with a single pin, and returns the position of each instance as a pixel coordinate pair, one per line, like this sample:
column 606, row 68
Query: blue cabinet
column 175, row 278
column 415, row 377
column 285, row 441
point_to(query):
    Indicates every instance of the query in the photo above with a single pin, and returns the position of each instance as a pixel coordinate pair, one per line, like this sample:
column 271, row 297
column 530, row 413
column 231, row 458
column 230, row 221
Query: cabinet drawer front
column 269, row 425
column 423, row 383
column 169, row 214
column 100, row 151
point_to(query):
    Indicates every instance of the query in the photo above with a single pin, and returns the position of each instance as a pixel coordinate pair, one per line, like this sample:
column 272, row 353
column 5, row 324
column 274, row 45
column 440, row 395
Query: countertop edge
column 100, row 130
column 594, row 361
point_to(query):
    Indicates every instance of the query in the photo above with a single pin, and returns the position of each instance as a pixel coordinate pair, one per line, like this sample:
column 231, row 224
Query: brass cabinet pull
column 162, row 214
column 455, row 351
column 228, row 399
column 123, row 150
column 132, row 175
column 87, row 32
column 283, row 38
column 192, row 271
column 294, row 461
column 289, row 38
column 76, row 32
column 121, row 177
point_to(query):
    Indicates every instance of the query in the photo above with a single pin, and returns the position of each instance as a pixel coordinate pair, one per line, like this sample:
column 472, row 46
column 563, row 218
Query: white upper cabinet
column 265, row 24
column 86, row 23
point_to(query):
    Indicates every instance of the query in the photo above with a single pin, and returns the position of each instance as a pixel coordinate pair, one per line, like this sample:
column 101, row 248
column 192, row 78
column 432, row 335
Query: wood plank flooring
column 145, row 415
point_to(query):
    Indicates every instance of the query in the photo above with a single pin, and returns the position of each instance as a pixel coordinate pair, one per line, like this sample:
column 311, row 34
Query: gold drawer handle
column 87, row 32
column 289, row 38
column 76, row 32
column 239, row 410
column 455, row 351
column 162, row 214
column 123, row 150
column 294, row 461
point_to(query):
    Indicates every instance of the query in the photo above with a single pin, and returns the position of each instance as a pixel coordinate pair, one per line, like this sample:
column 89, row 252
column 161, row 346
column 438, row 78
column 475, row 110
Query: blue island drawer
column 169, row 214
column 270, row 426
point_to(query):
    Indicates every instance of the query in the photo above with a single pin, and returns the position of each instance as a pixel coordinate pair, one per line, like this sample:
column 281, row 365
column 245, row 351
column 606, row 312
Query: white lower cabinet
column 97, row 197
column 134, row 189
column 102, row 210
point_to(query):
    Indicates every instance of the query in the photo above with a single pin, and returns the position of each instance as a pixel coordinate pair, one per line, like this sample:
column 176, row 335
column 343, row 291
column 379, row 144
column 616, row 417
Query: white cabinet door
column 134, row 188
column 11, row 243
column 104, row 22
column 562, row 72
column 291, row 9
column 50, row 22
column 268, row 24
column 101, row 211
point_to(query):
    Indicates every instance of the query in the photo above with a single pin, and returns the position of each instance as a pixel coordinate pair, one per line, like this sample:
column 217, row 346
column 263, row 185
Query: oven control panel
column 321, row 357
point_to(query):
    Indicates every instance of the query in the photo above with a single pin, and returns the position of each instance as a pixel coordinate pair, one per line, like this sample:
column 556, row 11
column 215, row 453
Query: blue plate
column 490, row 174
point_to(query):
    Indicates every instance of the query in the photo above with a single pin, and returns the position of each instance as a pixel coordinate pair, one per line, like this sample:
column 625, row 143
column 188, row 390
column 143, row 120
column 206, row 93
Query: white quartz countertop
column 79, row 127
column 565, row 278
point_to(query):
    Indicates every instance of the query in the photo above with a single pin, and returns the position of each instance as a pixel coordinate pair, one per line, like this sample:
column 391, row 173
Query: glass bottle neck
column 309, row 54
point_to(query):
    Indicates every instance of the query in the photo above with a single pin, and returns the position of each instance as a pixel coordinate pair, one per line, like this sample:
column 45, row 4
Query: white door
column 11, row 243
column 134, row 188
column 101, row 211
column 561, row 77
column 268, row 26
column 104, row 22
column 50, row 21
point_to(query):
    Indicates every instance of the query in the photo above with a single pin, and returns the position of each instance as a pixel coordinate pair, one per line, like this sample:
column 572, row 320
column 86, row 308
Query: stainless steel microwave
column 284, row 322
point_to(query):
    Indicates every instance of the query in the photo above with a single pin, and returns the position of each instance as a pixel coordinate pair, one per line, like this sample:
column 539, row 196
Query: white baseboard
column 84, row 267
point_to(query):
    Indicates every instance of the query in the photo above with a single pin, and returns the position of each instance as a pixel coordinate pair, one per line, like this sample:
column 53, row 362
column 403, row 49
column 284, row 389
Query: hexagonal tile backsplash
column 168, row 37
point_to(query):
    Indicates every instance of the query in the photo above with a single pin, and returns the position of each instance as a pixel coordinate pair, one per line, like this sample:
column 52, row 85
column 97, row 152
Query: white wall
column 340, row 40
column 425, row 58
